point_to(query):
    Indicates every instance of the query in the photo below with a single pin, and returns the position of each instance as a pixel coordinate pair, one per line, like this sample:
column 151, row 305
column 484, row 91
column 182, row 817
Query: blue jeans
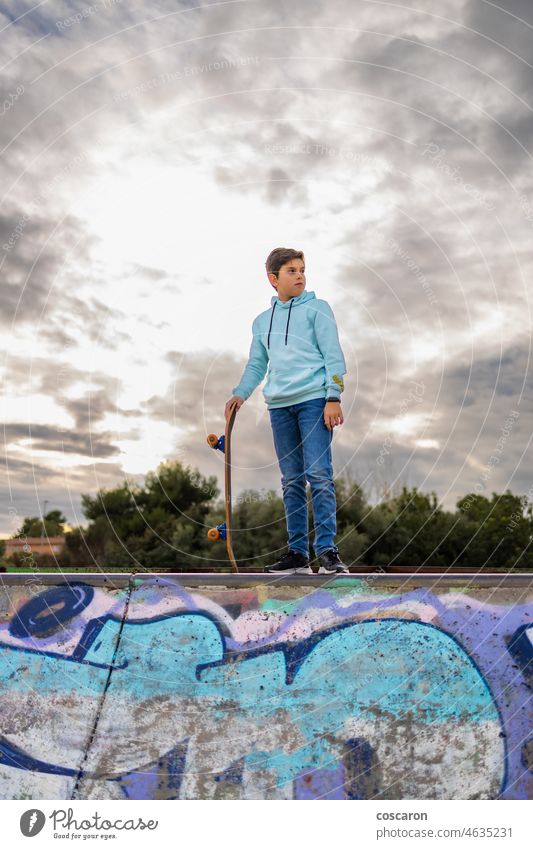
column 303, row 447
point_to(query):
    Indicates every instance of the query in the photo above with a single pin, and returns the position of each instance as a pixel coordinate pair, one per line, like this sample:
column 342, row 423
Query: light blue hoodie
column 299, row 343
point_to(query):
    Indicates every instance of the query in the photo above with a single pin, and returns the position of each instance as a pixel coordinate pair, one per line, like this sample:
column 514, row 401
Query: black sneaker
column 330, row 563
column 291, row 563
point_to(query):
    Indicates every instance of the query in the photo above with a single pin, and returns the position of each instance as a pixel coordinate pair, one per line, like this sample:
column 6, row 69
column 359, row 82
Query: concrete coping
column 250, row 579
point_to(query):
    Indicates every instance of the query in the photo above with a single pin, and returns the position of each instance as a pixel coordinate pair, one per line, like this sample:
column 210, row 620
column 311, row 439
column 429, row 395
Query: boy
column 298, row 337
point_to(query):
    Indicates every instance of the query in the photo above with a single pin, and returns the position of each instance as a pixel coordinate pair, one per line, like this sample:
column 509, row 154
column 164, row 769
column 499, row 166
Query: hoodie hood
column 287, row 305
column 301, row 299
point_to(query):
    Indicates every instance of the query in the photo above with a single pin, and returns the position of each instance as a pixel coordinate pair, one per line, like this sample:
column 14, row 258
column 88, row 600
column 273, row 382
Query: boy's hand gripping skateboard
column 223, row 443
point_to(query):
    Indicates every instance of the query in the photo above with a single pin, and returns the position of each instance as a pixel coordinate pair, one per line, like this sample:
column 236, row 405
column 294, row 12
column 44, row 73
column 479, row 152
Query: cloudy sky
column 152, row 155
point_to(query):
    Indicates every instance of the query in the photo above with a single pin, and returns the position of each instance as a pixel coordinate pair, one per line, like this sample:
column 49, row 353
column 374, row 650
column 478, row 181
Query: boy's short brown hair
column 279, row 256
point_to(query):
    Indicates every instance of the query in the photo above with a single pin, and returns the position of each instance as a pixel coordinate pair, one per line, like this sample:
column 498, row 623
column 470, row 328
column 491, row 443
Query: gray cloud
column 48, row 438
column 278, row 111
column 31, row 483
column 199, row 386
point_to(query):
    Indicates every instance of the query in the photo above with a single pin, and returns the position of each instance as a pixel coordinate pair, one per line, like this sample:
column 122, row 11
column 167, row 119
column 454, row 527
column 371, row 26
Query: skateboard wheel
column 213, row 533
column 212, row 440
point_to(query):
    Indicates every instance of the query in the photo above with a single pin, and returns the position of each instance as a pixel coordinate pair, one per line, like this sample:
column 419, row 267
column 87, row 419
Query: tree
column 411, row 529
column 136, row 527
column 163, row 523
column 53, row 522
column 352, row 509
column 497, row 532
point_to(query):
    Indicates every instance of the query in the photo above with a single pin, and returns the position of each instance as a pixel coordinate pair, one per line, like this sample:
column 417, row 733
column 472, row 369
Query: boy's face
column 290, row 281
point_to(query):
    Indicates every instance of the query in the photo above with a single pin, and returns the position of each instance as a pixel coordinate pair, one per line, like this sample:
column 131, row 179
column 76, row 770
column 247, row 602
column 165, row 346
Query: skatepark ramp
column 261, row 687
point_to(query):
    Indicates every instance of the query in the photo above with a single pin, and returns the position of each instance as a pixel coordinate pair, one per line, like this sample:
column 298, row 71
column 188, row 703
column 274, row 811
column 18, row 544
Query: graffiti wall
column 345, row 690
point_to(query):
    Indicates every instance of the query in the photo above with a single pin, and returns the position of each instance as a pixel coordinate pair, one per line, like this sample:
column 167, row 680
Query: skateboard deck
column 223, row 443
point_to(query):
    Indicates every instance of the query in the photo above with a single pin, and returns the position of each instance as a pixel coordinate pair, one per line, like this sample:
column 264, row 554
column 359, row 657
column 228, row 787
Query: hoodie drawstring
column 288, row 319
column 272, row 318
column 269, row 329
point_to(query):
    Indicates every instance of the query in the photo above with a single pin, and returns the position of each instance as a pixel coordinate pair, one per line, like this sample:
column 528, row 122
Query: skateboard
column 223, row 443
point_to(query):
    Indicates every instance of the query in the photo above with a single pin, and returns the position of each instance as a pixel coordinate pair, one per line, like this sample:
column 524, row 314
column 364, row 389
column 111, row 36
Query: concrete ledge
column 252, row 579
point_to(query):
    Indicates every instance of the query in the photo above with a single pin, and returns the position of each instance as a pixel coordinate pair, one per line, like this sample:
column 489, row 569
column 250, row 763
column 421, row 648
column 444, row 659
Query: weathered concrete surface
column 247, row 687
column 51, row 689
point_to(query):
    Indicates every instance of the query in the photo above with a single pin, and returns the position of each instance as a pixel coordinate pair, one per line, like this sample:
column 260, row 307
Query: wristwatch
column 334, row 399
